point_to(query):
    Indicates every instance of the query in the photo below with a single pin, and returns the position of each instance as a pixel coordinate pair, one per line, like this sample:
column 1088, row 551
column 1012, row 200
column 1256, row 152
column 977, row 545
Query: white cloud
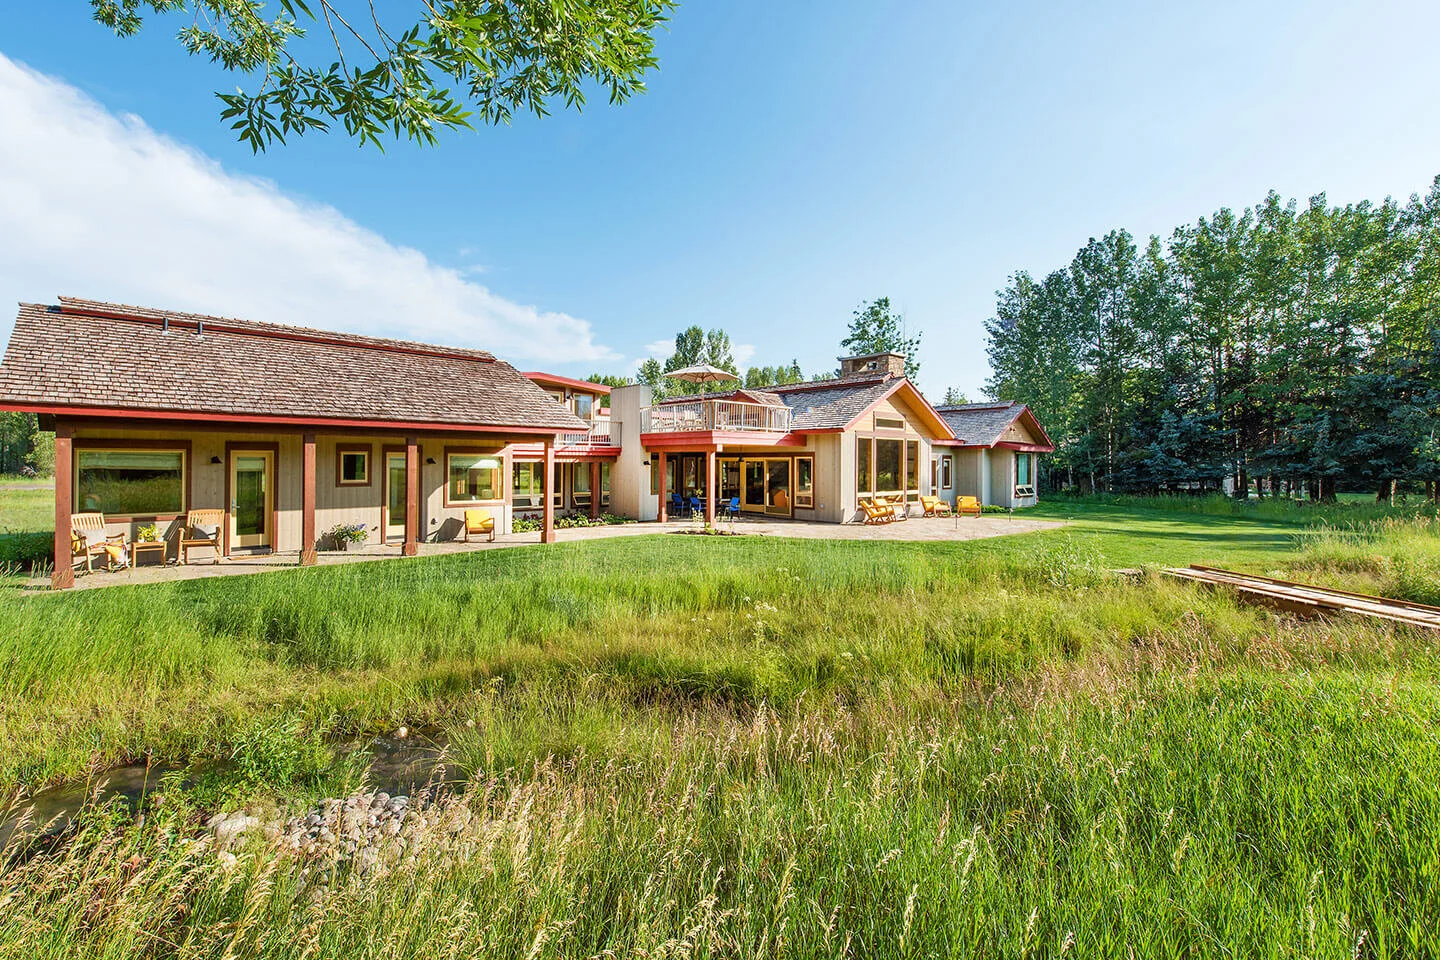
column 659, row 349
column 742, row 352
column 94, row 205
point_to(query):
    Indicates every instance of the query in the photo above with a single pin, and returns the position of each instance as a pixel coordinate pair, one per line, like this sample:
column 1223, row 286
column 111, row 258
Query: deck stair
column 1309, row 600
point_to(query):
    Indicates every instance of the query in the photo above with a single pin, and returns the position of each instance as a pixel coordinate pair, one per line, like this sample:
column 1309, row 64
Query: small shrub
column 27, row 551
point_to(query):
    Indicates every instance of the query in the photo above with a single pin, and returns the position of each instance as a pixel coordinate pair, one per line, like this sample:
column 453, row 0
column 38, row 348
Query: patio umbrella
column 702, row 373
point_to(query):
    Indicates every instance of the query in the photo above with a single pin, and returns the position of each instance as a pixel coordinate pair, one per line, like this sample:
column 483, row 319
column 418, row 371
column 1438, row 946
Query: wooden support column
column 412, row 497
column 710, row 488
column 308, row 556
column 594, row 489
column 547, row 522
column 664, row 513
column 63, row 576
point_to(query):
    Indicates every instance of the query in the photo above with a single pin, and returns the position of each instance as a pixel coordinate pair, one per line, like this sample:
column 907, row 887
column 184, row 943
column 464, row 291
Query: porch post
column 412, row 497
column 547, row 523
column 664, row 513
column 63, row 576
column 594, row 489
column 307, row 500
column 710, row 491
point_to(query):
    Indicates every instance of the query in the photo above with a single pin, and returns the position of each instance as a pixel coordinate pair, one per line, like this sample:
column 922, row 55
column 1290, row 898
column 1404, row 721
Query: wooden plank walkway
column 1309, row 600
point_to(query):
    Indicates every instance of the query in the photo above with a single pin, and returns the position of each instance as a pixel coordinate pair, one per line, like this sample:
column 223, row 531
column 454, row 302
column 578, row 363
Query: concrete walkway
column 916, row 529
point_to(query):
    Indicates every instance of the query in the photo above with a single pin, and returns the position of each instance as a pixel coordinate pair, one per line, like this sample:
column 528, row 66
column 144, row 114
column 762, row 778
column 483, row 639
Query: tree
column 954, row 397
column 693, row 346
column 395, row 77
column 759, row 377
column 876, row 328
column 609, row 380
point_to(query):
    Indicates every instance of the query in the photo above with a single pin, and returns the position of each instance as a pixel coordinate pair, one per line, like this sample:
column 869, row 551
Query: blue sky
column 788, row 161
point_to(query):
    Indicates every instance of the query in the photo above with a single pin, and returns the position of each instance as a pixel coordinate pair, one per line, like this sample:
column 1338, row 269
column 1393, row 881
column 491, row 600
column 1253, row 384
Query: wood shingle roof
column 109, row 357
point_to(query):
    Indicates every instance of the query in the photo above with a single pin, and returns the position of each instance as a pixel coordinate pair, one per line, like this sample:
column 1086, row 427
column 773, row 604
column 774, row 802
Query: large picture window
column 130, row 482
column 863, row 449
column 580, row 485
column 887, row 466
column 474, row 477
column 804, row 481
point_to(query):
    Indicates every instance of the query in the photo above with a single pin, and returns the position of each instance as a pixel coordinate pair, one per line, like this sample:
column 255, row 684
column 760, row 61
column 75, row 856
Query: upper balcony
column 719, row 416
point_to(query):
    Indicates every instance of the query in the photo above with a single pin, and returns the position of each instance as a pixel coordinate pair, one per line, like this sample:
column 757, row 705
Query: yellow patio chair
column 934, row 507
column 478, row 522
column 964, row 505
column 89, row 540
column 877, row 511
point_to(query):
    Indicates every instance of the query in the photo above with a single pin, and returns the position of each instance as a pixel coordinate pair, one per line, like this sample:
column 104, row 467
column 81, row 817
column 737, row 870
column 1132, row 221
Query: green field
column 686, row 746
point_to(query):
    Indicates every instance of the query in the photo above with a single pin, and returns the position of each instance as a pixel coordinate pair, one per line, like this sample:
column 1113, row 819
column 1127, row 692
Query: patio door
column 394, row 497
column 767, row 487
column 252, row 498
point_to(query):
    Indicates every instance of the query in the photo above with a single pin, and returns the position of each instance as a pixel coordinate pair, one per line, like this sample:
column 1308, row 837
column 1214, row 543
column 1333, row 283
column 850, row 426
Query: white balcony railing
column 601, row 434
column 697, row 415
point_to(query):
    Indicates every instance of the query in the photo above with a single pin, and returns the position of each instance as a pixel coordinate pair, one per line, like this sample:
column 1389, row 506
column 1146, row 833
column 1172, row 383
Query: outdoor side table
column 154, row 546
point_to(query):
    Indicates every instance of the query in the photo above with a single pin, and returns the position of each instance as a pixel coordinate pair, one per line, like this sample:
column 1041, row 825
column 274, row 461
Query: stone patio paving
column 916, row 529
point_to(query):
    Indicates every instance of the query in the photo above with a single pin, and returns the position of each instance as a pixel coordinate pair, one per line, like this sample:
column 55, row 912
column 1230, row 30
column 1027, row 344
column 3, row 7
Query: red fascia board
column 535, row 376
column 1024, row 447
column 117, row 413
column 218, row 325
column 702, row 440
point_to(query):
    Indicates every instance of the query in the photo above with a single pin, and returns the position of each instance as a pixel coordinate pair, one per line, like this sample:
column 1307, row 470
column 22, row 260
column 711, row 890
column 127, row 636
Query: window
column 1024, row 475
column 557, row 486
column 863, row 449
column 934, row 474
column 654, row 474
column 584, row 406
column 889, row 423
column 887, row 466
column 912, row 467
column 352, row 466
column 604, row 483
column 130, row 482
column 580, row 485
column 945, row 465
column 804, row 481
column 474, row 477
column 527, row 484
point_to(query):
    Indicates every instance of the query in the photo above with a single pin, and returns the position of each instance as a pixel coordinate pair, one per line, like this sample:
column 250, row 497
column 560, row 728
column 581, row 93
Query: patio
column 916, row 529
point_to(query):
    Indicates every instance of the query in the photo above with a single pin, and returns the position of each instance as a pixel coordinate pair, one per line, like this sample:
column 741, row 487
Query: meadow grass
column 684, row 746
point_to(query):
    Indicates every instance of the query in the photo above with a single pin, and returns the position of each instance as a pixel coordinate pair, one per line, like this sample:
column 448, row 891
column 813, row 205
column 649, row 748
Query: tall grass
column 1270, row 508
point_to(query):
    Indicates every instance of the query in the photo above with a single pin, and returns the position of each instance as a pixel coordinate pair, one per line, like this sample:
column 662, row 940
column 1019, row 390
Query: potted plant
column 344, row 534
column 149, row 533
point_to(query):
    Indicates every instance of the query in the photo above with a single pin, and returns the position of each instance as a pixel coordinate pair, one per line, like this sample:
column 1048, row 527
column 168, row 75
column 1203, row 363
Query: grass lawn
column 684, row 746
column 26, row 505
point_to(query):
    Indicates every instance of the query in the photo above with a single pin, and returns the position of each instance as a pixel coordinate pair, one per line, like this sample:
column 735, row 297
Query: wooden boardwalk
column 1309, row 600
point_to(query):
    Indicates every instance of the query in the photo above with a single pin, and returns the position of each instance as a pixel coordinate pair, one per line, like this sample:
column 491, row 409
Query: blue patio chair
column 677, row 505
column 697, row 509
column 730, row 508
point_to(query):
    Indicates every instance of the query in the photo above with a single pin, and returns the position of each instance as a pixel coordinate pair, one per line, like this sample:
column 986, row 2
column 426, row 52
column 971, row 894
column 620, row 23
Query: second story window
column 584, row 406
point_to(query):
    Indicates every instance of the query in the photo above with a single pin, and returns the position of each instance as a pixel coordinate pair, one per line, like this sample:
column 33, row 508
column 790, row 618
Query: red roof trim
column 1024, row 447
column 538, row 376
column 219, row 325
column 118, row 413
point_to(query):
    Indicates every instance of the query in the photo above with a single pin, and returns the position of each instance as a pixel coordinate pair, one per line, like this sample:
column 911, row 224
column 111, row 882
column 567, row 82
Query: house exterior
column 290, row 431
column 806, row 451
column 584, row 460
column 293, row 432
column 993, row 453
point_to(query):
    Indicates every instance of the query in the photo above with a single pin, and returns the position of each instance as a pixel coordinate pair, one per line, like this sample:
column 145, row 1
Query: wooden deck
column 1308, row 600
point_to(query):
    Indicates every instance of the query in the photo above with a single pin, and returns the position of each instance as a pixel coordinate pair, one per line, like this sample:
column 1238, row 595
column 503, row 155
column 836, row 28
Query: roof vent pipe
column 165, row 323
column 200, row 328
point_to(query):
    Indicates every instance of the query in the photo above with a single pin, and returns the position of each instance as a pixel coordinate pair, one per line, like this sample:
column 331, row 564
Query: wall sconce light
column 430, row 461
column 644, row 463
column 215, row 460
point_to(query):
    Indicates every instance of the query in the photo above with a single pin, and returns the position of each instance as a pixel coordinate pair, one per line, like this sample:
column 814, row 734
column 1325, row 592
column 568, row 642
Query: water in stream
column 394, row 764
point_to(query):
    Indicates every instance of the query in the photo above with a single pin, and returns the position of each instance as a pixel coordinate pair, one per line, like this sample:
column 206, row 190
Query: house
column 285, row 433
column 290, row 431
column 806, row 451
column 584, row 460
column 992, row 456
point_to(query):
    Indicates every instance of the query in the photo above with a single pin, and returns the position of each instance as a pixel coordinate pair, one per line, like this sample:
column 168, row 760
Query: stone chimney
column 890, row 364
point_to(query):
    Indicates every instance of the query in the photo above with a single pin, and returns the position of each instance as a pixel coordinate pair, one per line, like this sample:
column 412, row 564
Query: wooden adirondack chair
column 964, row 505
column 934, row 507
column 478, row 522
column 203, row 528
column 876, row 511
column 89, row 540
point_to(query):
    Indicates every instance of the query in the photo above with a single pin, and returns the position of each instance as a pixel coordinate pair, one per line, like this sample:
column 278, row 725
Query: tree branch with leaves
column 459, row 61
